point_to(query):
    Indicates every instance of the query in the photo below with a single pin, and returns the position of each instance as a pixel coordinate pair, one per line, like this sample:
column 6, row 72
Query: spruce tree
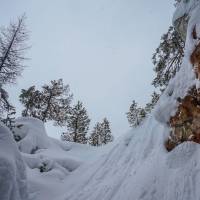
column 67, row 137
column 135, row 115
column 154, row 99
column 77, row 124
column 106, row 132
column 95, row 137
column 101, row 134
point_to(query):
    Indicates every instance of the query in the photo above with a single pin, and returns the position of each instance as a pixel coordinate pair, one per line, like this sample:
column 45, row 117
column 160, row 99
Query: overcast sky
column 101, row 48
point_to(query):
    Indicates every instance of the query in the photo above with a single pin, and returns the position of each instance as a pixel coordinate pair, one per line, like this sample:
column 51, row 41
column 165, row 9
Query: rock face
column 195, row 56
column 185, row 124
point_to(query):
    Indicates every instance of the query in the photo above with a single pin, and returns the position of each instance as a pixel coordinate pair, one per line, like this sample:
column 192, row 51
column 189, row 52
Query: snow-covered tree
column 106, row 132
column 101, row 134
column 168, row 57
column 77, row 124
column 52, row 103
column 95, row 137
column 4, row 103
column 67, row 137
column 8, row 117
column 56, row 102
column 32, row 100
column 135, row 115
column 154, row 99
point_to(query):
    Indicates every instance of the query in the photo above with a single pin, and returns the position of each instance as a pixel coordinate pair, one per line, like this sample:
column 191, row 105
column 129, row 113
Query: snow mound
column 32, row 135
column 13, row 184
column 182, row 154
column 48, row 161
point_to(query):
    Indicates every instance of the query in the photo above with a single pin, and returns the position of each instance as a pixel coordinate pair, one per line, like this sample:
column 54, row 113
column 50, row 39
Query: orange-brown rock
column 185, row 124
column 169, row 145
column 195, row 56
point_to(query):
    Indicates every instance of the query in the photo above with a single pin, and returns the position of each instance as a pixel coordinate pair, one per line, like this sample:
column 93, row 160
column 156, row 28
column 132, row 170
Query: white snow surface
column 139, row 168
column 56, row 159
column 135, row 167
column 185, row 7
column 13, row 185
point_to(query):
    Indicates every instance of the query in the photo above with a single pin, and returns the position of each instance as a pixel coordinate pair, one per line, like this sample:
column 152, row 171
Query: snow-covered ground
column 49, row 161
column 139, row 168
column 136, row 167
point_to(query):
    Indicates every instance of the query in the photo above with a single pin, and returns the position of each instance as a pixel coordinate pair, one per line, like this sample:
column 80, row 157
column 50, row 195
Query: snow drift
column 48, row 161
column 13, row 184
column 138, row 167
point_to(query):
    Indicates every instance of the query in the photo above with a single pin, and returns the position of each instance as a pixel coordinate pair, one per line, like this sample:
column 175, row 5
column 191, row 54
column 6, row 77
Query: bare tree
column 12, row 48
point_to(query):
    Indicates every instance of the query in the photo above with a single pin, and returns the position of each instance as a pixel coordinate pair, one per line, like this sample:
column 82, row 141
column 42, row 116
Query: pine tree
column 154, row 99
column 95, row 137
column 135, row 115
column 77, row 124
column 52, row 103
column 101, row 134
column 9, row 117
column 67, row 137
column 56, row 102
column 168, row 58
column 31, row 99
column 106, row 132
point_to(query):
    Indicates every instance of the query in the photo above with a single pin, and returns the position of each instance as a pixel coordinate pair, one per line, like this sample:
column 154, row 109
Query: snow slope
column 135, row 167
column 138, row 167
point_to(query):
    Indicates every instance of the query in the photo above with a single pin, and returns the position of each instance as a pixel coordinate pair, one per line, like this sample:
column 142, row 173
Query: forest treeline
column 53, row 101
